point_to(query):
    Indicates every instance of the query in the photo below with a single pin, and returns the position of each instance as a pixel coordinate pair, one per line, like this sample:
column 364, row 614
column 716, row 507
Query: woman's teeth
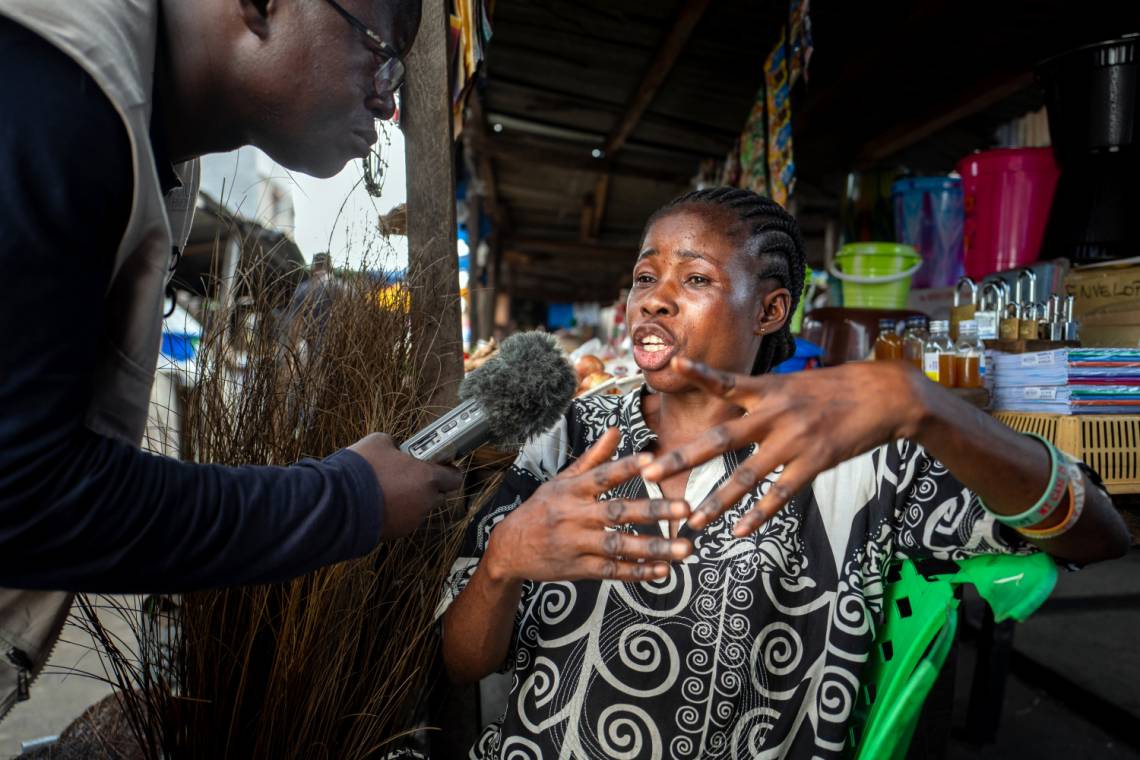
column 653, row 347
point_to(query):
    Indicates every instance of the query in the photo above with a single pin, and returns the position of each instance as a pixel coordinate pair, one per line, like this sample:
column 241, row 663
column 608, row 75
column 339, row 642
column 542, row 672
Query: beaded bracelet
column 1076, row 507
column 1054, row 494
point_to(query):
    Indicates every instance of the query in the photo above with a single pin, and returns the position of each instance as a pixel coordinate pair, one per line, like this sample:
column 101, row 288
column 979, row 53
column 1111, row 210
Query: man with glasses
column 104, row 108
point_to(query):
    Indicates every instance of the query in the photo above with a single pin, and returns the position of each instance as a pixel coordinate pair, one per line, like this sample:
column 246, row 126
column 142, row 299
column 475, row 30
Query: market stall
column 962, row 212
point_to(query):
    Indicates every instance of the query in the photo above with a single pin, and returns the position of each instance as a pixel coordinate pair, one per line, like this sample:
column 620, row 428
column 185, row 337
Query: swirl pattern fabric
column 752, row 647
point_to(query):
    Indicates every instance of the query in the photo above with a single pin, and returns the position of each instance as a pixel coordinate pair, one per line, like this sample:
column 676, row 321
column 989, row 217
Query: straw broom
column 331, row 665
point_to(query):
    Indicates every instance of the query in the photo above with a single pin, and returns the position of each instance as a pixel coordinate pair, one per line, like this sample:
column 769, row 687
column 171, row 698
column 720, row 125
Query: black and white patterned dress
column 752, row 647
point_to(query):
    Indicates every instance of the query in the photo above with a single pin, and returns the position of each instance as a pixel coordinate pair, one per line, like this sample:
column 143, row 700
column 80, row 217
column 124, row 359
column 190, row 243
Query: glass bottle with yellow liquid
column 970, row 357
column 937, row 346
column 914, row 341
column 889, row 344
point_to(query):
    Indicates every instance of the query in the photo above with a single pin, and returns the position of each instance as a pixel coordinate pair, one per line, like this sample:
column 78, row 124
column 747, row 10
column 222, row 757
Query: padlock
column 963, row 311
column 1025, row 293
column 1072, row 326
column 1008, row 326
column 1027, row 323
column 994, row 296
column 1056, row 319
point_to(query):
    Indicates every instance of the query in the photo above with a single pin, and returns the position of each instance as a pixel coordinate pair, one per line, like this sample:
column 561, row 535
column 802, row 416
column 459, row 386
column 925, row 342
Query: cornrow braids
column 773, row 236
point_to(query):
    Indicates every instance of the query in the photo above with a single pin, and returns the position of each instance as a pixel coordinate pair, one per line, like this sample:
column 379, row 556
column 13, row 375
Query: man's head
column 302, row 74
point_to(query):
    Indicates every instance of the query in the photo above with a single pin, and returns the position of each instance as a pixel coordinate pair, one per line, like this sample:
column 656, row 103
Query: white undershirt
column 702, row 480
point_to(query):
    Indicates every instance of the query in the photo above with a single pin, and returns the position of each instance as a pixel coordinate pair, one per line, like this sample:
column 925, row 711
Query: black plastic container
column 1091, row 94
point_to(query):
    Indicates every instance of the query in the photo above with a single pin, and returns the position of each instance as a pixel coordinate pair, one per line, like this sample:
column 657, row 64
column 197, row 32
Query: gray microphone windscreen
column 525, row 388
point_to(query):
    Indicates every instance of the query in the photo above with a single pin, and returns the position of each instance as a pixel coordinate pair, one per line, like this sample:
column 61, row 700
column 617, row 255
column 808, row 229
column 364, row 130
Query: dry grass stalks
column 330, row 665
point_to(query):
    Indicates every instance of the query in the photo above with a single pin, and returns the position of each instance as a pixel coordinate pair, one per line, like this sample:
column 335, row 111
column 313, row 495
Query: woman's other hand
column 560, row 533
column 808, row 421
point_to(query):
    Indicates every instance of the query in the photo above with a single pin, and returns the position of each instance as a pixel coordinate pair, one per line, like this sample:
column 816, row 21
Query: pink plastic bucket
column 1006, row 198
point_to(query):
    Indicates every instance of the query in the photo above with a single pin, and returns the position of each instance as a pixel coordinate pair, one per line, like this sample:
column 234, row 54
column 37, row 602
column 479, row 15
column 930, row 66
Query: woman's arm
column 558, row 534
column 1010, row 472
column 477, row 627
column 811, row 421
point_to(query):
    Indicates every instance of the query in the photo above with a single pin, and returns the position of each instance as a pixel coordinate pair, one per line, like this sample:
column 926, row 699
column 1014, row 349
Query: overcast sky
column 338, row 215
column 334, row 214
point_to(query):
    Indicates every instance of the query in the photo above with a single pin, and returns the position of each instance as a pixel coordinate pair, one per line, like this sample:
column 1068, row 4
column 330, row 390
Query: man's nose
column 386, row 107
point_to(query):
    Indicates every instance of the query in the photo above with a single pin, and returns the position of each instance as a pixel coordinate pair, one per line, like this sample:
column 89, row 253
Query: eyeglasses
column 390, row 75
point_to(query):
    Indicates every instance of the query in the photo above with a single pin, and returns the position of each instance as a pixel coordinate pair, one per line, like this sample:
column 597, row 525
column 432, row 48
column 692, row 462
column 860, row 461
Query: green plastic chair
column 920, row 623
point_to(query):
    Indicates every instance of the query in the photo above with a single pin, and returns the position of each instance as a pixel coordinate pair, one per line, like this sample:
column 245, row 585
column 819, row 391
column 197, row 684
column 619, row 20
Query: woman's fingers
column 795, row 476
column 614, row 512
column 617, row 545
column 727, row 385
column 599, row 452
column 598, row 480
column 727, row 436
column 605, row 569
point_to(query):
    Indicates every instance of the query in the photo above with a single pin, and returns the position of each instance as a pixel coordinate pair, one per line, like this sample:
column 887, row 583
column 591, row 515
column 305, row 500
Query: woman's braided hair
column 772, row 236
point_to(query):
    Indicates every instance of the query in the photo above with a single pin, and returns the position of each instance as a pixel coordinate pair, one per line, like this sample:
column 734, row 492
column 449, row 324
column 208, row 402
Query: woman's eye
column 698, row 279
column 643, row 279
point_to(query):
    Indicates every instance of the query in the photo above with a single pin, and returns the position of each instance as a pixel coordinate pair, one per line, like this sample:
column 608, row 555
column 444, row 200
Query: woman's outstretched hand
column 559, row 533
column 808, row 421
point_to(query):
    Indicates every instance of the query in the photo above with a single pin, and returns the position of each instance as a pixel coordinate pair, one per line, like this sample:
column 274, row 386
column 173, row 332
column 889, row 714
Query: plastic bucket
column 1007, row 194
column 875, row 275
column 798, row 316
column 928, row 216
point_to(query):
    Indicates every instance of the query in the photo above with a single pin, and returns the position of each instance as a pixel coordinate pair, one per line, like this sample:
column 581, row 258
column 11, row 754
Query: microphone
column 520, row 392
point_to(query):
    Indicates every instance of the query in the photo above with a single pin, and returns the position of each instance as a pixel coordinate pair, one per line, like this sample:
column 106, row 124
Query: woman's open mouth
column 653, row 347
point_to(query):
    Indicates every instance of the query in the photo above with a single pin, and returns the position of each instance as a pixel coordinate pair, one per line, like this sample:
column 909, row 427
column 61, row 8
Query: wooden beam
column 668, row 52
column 571, row 157
column 973, row 100
column 589, row 140
column 544, row 98
column 433, row 261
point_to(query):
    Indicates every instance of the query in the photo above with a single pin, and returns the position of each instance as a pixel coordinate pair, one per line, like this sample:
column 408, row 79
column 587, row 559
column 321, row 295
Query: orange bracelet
column 1076, row 507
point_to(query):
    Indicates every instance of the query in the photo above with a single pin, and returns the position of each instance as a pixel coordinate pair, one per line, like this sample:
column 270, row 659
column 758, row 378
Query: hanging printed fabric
column 469, row 33
column 754, row 149
column 784, row 65
column 781, row 164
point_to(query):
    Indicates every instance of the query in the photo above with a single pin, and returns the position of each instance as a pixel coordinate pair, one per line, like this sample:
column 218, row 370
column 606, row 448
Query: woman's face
column 695, row 294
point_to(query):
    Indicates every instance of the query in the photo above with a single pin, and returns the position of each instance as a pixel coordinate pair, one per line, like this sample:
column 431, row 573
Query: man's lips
column 368, row 134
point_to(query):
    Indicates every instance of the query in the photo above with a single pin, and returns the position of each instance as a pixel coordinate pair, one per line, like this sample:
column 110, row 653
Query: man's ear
column 773, row 312
column 255, row 15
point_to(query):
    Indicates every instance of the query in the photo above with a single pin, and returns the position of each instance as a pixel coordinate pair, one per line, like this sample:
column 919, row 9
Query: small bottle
column 914, row 342
column 937, row 345
column 888, row 346
column 970, row 359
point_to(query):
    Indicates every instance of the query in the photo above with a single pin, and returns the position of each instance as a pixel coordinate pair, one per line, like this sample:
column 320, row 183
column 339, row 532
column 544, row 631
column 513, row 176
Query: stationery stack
column 1068, row 381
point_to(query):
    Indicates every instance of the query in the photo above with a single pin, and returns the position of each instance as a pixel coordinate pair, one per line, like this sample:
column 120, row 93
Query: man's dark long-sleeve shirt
column 83, row 512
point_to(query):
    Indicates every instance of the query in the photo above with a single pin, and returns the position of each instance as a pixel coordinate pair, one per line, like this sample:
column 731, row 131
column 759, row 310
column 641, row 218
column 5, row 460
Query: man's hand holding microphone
column 518, row 393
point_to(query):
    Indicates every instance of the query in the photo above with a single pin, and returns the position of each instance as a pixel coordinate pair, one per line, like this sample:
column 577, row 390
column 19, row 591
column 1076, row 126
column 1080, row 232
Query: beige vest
column 114, row 41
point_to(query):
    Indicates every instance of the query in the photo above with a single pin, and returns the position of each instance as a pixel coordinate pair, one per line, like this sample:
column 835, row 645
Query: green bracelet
column 1055, row 493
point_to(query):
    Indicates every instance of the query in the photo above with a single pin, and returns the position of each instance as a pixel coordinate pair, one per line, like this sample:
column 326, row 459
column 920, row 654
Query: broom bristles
column 334, row 663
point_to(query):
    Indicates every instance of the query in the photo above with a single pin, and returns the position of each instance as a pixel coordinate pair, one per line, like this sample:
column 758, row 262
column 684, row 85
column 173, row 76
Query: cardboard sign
column 1101, row 289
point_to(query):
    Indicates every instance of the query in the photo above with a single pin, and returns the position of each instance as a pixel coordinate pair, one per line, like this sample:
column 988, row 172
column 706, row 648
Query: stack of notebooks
column 1067, row 381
